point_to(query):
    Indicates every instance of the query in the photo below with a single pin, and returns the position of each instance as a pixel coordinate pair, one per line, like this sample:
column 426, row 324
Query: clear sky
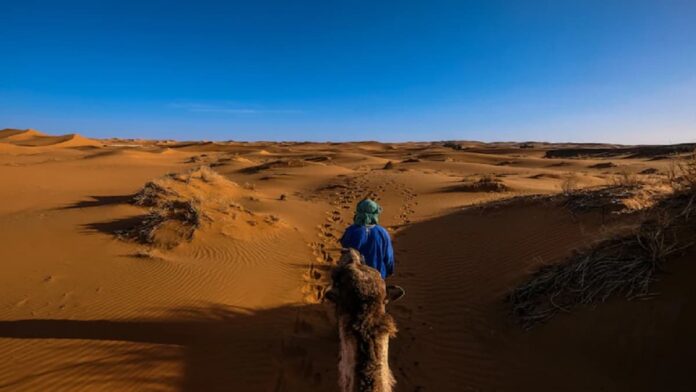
column 556, row 70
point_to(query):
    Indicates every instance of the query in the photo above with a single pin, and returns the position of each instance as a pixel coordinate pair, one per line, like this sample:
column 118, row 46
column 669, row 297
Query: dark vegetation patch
column 485, row 183
column 453, row 145
column 197, row 158
column 630, row 152
column 320, row 158
column 603, row 165
column 280, row 163
column 607, row 199
column 331, row 187
column 172, row 218
column 559, row 164
column 177, row 205
column 622, row 266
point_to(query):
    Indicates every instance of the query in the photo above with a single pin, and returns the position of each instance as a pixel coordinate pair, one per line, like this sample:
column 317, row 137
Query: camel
column 364, row 326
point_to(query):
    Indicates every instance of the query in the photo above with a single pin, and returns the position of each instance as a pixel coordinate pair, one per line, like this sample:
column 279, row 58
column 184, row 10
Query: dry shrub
column 603, row 165
column 621, row 266
column 681, row 173
column 453, row 145
column 175, row 210
column 485, row 183
column 320, row 158
column 569, row 184
column 280, row 163
column 169, row 222
column 626, row 179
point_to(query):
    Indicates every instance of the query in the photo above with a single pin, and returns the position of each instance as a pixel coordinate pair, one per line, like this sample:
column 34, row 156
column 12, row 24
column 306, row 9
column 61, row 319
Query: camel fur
column 365, row 327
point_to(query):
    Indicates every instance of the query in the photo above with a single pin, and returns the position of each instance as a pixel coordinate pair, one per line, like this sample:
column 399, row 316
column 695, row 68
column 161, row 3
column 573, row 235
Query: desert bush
column 656, row 239
column 625, row 179
column 452, row 145
column 620, row 266
column 682, row 173
column 273, row 164
column 569, row 184
column 603, row 165
column 178, row 207
column 485, row 183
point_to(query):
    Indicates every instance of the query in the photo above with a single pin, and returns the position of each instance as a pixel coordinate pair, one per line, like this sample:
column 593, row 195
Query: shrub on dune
column 180, row 203
column 485, row 183
column 625, row 266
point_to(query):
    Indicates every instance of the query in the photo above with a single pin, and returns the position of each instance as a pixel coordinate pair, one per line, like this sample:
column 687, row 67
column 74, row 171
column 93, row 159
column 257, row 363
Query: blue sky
column 615, row 71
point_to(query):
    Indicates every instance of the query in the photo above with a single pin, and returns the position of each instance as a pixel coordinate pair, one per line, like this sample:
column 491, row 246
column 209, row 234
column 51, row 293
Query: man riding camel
column 372, row 241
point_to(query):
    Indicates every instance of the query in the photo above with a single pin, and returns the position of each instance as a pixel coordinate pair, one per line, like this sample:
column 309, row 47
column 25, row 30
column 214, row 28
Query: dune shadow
column 99, row 201
column 116, row 226
column 216, row 347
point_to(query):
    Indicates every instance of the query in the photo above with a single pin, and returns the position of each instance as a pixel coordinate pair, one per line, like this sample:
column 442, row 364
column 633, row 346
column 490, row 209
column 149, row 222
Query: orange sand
column 237, row 307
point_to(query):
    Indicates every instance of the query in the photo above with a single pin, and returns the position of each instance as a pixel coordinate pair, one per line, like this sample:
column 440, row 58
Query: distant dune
column 33, row 138
column 8, row 135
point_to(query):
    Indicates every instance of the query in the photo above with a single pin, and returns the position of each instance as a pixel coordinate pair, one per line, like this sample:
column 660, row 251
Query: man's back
column 373, row 242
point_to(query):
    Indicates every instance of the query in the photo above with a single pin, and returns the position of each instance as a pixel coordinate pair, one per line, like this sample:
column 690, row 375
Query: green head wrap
column 367, row 213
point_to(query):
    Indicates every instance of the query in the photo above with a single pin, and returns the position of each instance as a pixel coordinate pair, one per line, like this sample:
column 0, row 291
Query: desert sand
column 200, row 266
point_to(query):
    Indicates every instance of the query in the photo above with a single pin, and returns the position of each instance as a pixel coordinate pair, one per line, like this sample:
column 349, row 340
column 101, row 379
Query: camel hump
column 350, row 256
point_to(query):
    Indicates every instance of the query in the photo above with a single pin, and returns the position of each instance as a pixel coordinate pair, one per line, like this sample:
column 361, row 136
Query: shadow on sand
column 100, row 201
column 217, row 348
column 116, row 226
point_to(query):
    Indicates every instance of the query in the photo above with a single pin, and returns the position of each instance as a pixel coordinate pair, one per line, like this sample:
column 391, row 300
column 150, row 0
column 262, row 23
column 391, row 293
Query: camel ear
column 394, row 293
column 331, row 295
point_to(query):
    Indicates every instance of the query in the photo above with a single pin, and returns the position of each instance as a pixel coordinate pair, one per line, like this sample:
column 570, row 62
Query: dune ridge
column 34, row 138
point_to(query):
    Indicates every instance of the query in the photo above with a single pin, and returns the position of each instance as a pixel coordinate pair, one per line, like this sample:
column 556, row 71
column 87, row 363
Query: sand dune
column 10, row 135
column 33, row 138
column 187, row 266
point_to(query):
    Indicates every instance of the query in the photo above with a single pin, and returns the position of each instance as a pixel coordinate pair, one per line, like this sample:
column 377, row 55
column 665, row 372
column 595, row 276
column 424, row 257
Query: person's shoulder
column 382, row 230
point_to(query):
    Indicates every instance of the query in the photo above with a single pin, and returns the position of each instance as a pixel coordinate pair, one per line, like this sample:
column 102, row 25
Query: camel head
column 360, row 296
column 360, row 283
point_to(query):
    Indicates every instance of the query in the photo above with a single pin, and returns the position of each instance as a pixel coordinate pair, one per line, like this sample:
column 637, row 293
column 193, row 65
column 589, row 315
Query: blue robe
column 374, row 244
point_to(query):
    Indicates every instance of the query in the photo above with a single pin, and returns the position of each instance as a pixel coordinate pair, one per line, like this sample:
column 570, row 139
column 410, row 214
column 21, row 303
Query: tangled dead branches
column 623, row 266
